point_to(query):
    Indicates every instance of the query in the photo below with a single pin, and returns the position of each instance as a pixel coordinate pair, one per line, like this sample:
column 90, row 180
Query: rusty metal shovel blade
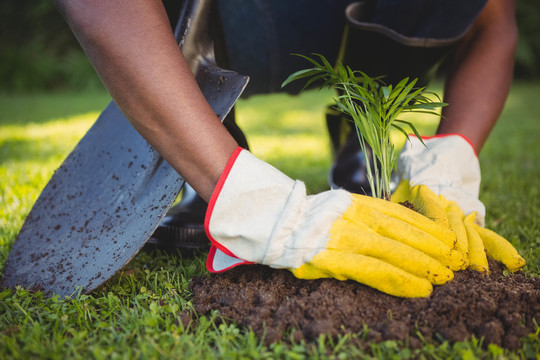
column 110, row 194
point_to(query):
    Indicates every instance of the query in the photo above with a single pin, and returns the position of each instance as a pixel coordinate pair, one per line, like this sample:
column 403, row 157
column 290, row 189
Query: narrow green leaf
column 422, row 112
column 300, row 74
column 342, row 73
column 314, row 79
column 401, row 130
column 310, row 60
column 413, row 128
column 327, row 65
column 386, row 92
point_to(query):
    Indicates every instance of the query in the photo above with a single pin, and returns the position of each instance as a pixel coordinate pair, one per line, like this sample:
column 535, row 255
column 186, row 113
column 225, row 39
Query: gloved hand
column 259, row 215
column 472, row 240
column 448, row 166
column 442, row 180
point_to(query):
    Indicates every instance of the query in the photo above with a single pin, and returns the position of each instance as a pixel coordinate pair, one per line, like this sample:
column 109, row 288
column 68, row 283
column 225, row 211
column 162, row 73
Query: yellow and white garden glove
column 442, row 180
column 448, row 165
column 259, row 215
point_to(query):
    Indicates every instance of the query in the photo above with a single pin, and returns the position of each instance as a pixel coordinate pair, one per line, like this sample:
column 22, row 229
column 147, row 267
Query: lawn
column 140, row 313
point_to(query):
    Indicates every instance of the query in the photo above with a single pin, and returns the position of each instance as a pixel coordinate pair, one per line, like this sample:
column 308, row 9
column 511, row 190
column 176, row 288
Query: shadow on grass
column 42, row 108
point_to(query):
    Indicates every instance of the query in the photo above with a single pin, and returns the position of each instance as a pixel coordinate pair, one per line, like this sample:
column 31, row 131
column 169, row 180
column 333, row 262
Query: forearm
column 479, row 80
column 134, row 52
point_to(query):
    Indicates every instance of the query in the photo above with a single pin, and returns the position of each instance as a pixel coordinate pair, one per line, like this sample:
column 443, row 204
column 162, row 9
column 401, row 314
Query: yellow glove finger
column 472, row 240
column 366, row 270
column 309, row 272
column 402, row 192
column 399, row 230
column 429, row 204
column 417, row 220
column 455, row 219
column 433, row 206
column 424, row 201
column 477, row 254
column 500, row 249
column 359, row 239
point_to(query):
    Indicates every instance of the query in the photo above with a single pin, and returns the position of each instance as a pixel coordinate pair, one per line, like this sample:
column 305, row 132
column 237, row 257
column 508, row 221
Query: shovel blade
column 104, row 202
column 93, row 215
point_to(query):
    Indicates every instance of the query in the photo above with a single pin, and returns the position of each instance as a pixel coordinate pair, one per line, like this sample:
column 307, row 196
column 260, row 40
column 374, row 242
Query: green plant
column 374, row 108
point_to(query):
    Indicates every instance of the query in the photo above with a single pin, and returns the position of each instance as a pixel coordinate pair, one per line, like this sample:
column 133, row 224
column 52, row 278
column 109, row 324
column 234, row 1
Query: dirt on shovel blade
column 501, row 309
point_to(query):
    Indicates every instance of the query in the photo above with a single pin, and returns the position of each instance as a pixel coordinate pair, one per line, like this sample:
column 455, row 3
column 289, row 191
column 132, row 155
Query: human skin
column 134, row 52
column 481, row 74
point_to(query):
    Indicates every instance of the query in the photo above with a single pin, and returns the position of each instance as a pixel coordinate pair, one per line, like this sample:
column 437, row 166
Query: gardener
column 256, row 213
column 411, row 45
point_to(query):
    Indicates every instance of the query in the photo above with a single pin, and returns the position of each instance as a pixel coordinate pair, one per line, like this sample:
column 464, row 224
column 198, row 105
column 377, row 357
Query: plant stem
column 369, row 173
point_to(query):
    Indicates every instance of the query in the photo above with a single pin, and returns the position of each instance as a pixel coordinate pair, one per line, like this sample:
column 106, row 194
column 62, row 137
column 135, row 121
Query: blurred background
column 38, row 51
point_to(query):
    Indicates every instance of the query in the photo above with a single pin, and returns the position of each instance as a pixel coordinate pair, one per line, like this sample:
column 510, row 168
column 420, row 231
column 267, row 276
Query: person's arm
column 133, row 50
column 481, row 74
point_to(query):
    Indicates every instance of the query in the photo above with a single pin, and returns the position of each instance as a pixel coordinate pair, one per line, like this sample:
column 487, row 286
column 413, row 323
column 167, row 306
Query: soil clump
column 501, row 309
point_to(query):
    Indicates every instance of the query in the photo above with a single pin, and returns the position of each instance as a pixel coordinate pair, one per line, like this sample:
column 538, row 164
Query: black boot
column 183, row 227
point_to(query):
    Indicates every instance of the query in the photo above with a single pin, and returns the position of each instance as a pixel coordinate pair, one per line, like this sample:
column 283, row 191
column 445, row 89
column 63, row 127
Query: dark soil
column 408, row 205
column 498, row 308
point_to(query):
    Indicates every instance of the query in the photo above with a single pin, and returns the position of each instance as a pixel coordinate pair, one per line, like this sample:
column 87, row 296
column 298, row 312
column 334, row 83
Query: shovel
column 112, row 191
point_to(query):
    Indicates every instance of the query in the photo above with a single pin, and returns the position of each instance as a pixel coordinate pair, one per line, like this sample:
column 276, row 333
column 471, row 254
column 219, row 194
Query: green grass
column 138, row 314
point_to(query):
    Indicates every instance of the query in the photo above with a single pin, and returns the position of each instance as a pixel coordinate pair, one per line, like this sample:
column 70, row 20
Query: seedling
column 374, row 108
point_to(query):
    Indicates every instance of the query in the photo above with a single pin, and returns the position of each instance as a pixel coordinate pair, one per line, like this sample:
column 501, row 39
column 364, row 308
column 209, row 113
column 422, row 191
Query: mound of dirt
column 498, row 308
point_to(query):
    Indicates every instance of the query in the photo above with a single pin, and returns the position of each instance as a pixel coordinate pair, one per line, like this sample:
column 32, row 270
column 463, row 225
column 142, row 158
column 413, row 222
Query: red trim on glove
column 211, row 205
column 210, row 261
column 214, row 197
column 210, row 258
column 451, row 134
